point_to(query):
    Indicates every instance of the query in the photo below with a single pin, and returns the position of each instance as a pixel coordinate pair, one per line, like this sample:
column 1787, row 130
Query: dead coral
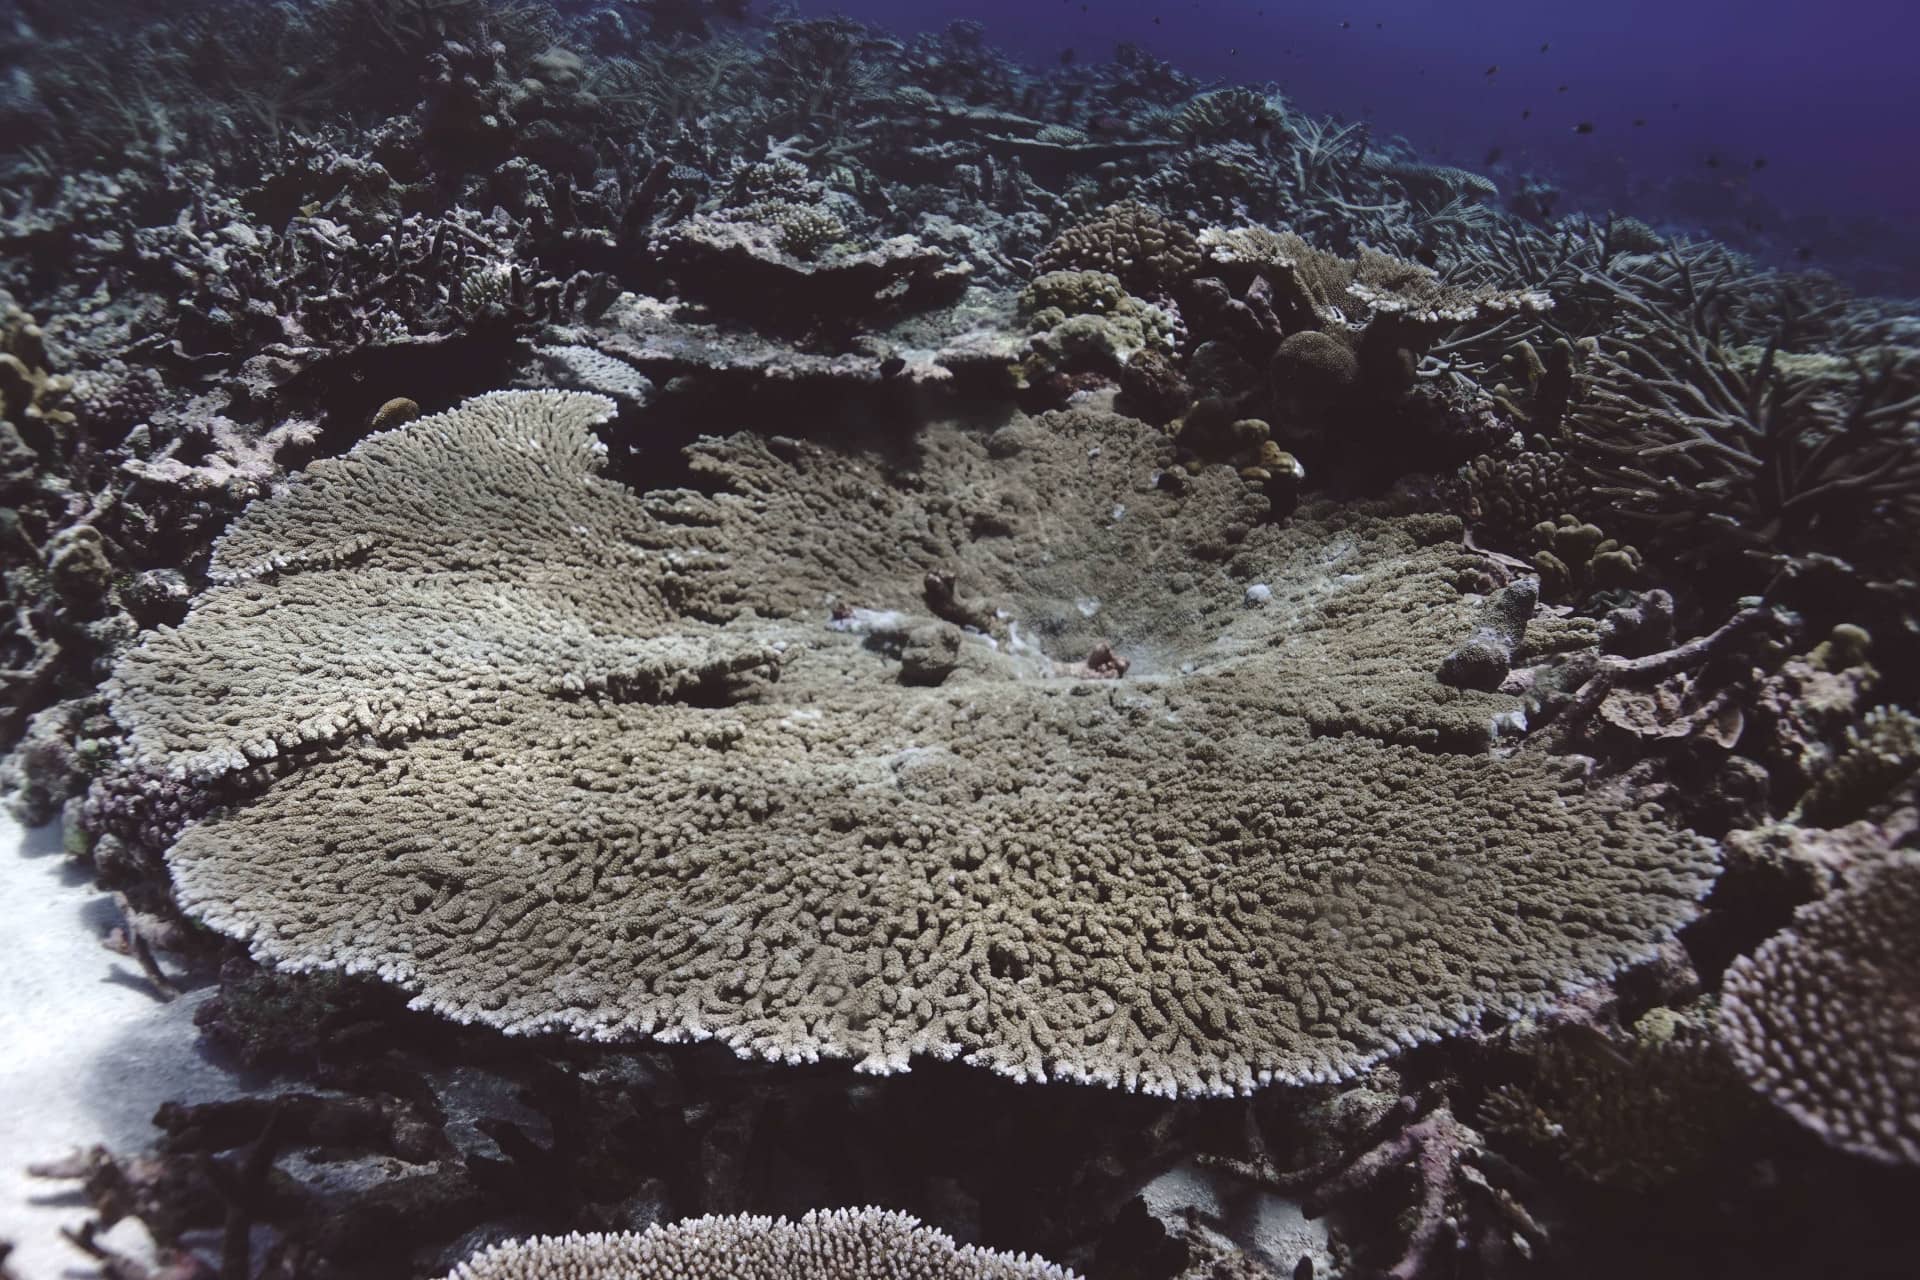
column 1459, row 1202
column 836, row 1244
column 1824, row 1019
column 557, row 695
column 765, row 264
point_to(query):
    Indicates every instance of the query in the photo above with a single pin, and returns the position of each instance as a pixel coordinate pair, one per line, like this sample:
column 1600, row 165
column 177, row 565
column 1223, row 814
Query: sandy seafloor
column 87, row 1053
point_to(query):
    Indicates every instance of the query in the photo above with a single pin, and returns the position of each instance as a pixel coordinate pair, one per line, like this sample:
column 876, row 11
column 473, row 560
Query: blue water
column 1784, row 126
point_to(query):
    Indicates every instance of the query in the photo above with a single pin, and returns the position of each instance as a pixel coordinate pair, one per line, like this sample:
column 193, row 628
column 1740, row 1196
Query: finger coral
column 555, row 755
column 840, row 1244
column 1824, row 1019
column 1147, row 251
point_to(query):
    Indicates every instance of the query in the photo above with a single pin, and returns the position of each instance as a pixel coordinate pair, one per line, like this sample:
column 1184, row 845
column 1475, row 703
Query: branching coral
column 1725, row 457
column 552, row 701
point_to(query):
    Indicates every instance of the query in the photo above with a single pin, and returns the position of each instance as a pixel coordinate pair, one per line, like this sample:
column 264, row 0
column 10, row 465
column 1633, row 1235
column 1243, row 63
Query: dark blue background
column 1826, row 91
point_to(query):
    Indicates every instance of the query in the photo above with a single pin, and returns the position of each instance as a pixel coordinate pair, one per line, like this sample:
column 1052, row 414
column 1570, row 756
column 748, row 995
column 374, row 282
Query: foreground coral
column 556, row 755
column 841, row 1244
column 1824, row 1019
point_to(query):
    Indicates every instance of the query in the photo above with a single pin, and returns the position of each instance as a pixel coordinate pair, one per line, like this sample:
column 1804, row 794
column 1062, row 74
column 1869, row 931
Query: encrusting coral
column 838, row 1244
column 1824, row 1019
column 515, row 742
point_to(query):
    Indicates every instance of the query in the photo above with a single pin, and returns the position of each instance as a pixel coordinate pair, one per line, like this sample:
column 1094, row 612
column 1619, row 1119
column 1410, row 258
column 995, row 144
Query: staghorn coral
column 1728, row 458
column 1459, row 1202
column 1824, row 1019
column 826, row 1244
column 1274, row 850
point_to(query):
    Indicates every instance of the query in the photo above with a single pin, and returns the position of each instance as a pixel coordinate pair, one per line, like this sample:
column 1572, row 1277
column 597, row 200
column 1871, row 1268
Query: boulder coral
column 556, row 755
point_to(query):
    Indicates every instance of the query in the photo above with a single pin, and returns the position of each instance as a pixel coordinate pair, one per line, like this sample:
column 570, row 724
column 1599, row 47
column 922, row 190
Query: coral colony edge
column 725, row 644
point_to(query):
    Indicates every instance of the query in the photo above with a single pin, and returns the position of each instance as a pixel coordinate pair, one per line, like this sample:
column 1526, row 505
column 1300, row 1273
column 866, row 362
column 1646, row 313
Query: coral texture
column 1824, row 1019
column 838, row 1244
column 518, row 745
column 1146, row 250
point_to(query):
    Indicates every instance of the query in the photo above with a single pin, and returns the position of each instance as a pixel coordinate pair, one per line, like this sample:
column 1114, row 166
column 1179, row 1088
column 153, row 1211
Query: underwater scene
column 1120, row 639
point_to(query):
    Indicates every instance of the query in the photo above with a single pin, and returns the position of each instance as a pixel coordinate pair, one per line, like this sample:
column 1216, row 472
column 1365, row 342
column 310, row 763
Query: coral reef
column 761, row 673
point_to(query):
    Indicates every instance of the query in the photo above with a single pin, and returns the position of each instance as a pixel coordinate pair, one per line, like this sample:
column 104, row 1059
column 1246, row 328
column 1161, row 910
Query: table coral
column 839, row 1244
column 1824, row 1019
column 555, row 755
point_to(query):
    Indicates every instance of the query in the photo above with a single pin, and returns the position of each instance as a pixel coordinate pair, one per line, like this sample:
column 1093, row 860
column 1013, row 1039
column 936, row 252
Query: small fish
column 1804, row 252
column 1156, row 22
column 1638, row 123
column 1713, row 162
column 1527, row 114
column 1759, row 162
column 1495, row 67
column 1545, row 47
column 1066, row 57
column 1493, row 156
column 1585, row 126
column 1561, row 89
column 1346, row 26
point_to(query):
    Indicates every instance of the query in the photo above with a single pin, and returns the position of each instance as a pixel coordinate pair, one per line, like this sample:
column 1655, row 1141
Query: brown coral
column 1148, row 252
column 563, row 791
column 837, row 1244
column 1824, row 1019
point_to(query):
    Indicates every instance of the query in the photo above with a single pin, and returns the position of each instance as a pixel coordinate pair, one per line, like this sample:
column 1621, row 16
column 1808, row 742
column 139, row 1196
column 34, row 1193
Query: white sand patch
column 87, row 1054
